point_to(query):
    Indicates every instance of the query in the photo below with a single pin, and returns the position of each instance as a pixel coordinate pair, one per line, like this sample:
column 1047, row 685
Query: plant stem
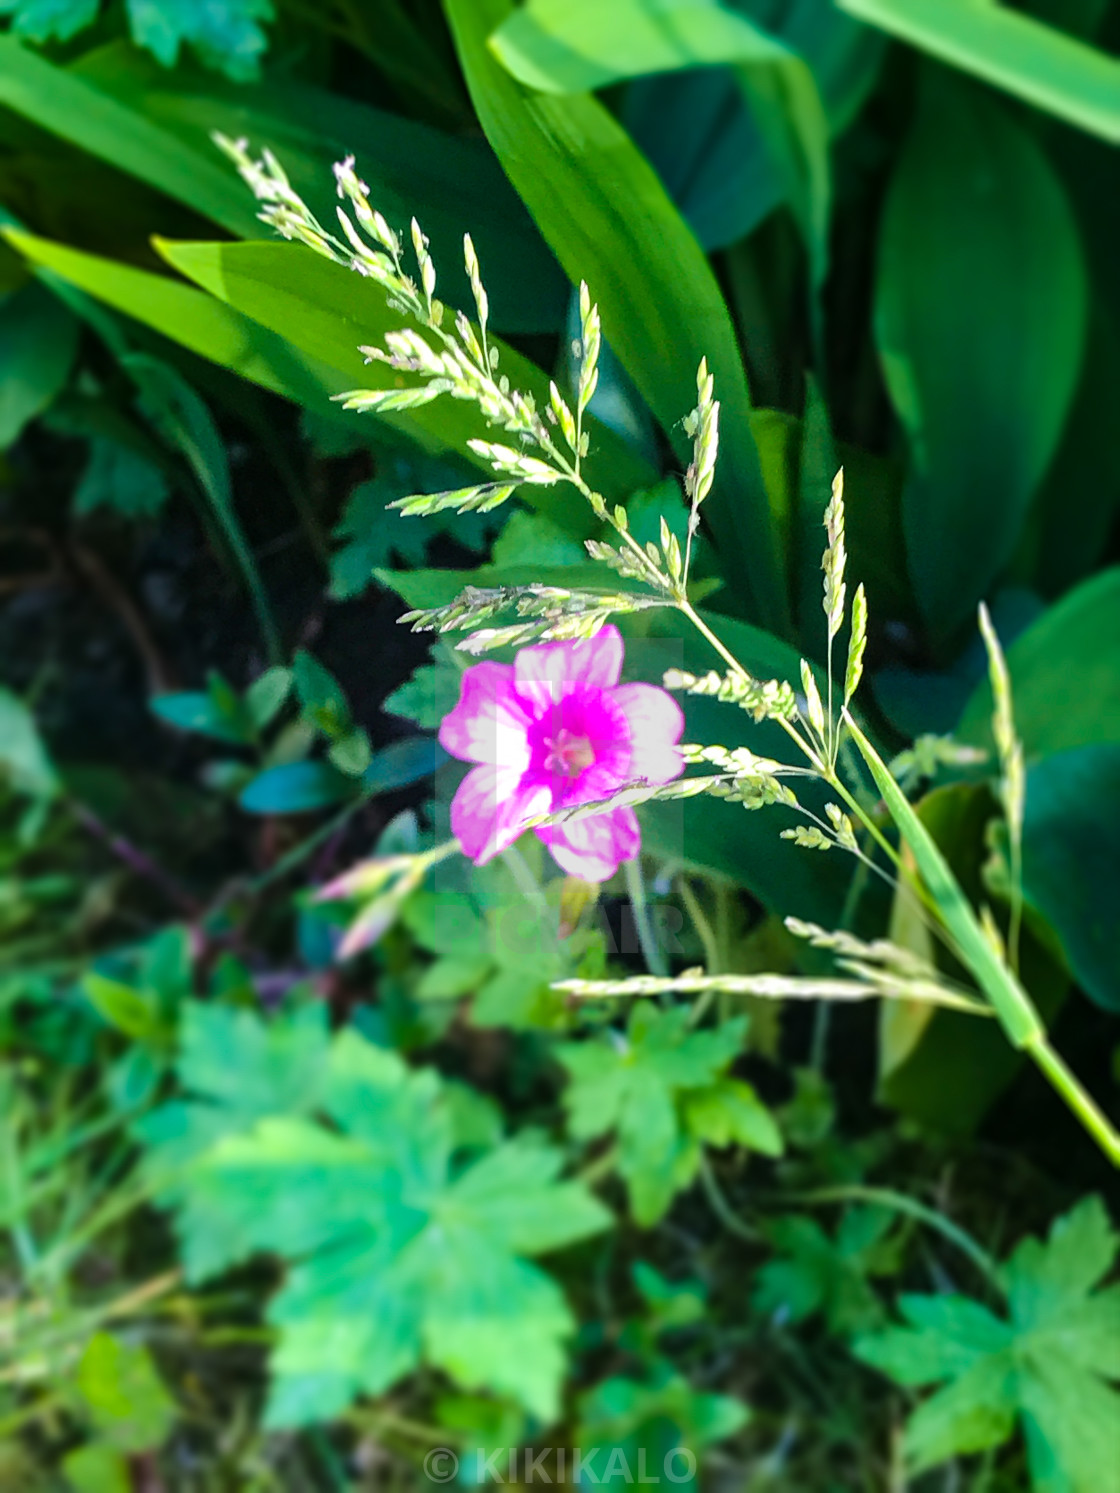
column 887, row 1197
column 652, row 952
column 1082, row 1104
column 719, row 1204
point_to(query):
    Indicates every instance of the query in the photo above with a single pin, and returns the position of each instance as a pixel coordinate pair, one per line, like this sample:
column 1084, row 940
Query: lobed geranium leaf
column 662, row 1090
column 1045, row 1364
column 335, row 1157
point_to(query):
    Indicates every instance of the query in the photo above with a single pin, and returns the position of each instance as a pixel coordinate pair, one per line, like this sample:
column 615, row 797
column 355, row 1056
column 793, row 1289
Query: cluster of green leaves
column 1043, row 1365
column 226, row 35
column 285, row 778
column 739, row 145
column 406, row 1241
column 663, row 1091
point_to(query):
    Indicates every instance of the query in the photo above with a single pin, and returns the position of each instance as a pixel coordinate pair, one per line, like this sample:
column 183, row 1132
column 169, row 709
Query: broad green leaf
column 635, row 1087
column 122, row 480
column 24, row 761
column 1045, row 1363
column 392, row 1258
column 576, row 46
column 401, row 763
column 38, row 340
column 1060, row 551
column 979, row 251
column 224, row 34
column 450, row 183
column 1065, row 676
column 97, row 1468
column 60, row 101
column 1047, row 68
column 610, row 222
column 296, row 788
column 699, row 131
column 122, row 1394
column 1071, row 861
column 328, row 312
column 198, row 321
column 427, row 696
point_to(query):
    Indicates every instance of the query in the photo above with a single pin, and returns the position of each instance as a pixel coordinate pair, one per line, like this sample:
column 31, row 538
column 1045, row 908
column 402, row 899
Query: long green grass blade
column 609, row 221
column 1047, row 68
column 1012, row 1004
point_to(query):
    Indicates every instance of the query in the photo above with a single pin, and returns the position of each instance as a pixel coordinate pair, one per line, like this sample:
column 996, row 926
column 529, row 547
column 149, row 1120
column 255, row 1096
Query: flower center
column 567, row 753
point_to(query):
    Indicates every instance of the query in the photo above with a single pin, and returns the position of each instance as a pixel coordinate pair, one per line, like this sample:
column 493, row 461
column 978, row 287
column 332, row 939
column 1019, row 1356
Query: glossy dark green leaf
column 980, row 307
column 1071, row 861
column 198, row 321
column 1079, row 500
column 610, row 222
column 576, row 46
column 1065, row 675
column 38, row 340
column 1046, row 67
column 451, row 183
column 327, row 312
column 296, row 788
column 64, row 103
column 403, row 762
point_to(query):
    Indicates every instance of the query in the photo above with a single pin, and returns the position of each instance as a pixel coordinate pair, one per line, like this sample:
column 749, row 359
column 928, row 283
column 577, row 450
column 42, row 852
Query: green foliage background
column 274, row 1218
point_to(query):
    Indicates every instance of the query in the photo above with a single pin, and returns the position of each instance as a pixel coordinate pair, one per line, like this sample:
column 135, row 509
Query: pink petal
column 656, row 723
column 491, row 806
column 547, row 671
column 490, row 723
column 592, row 848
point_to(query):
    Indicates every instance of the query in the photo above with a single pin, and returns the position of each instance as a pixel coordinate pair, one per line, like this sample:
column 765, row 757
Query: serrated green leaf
column 224, row 34
column 1045, row 1364
column 49, row 20
column 813, row 1272
column 639, row 1087
column 427, row 696
column 392, row 1259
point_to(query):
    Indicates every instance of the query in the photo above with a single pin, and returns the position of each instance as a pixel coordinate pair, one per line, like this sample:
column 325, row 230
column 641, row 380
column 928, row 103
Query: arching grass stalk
column 437, row 354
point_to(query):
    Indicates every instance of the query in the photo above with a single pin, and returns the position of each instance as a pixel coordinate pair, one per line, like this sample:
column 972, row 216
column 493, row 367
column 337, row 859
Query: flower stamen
column 568, row 754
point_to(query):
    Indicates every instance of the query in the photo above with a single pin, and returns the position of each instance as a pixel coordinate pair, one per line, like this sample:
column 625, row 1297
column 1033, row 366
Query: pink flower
column 552, row 729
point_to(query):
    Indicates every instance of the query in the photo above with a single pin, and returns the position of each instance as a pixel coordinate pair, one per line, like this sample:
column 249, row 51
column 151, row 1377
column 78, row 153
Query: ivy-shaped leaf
column 1044, row 1364
column 661, row 1089
column 339, row 1161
